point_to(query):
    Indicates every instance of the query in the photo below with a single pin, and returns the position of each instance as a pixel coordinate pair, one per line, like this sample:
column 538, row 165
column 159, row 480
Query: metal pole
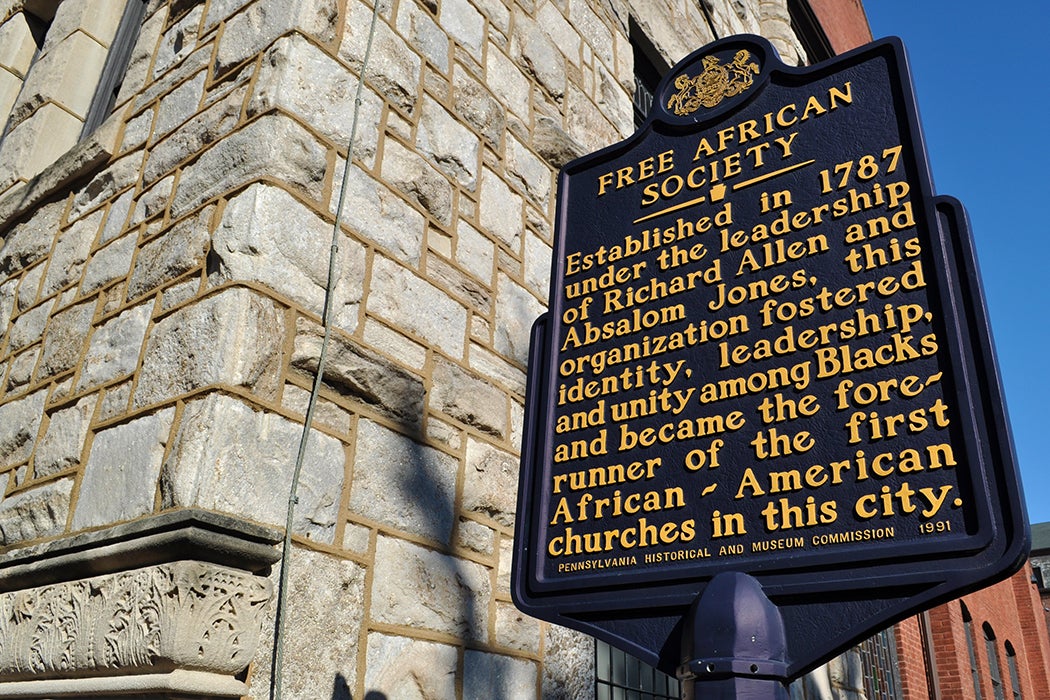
column 733, row 644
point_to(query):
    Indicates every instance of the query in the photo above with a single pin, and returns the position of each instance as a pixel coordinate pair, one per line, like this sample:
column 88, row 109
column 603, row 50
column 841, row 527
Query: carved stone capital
column 181, row 628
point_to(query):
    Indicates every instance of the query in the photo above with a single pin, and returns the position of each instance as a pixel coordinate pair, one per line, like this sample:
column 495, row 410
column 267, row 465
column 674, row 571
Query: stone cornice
column 182, row 534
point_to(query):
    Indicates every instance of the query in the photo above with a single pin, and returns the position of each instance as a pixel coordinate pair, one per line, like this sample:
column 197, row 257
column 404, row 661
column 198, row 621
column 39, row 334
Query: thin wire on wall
column 707, row 15
column 279, row 626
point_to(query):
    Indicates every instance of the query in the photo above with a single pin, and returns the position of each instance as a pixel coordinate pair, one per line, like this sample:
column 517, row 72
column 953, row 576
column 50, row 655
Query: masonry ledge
column 181, row 682
column 182, row 534
column 78, row 162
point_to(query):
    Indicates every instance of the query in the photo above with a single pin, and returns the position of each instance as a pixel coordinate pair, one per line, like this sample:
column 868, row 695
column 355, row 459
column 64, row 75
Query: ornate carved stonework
column 180, row 615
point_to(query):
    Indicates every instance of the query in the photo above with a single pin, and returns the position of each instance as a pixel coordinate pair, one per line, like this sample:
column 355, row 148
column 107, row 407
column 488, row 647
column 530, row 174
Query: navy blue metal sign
column 766, row 352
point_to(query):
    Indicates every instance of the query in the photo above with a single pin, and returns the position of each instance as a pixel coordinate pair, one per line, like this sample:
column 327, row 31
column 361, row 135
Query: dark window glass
column 970, row 644
column 620, row 676
column 116, row 66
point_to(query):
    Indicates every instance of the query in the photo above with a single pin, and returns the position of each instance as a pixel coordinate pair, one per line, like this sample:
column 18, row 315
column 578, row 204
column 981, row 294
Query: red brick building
column 990, row 644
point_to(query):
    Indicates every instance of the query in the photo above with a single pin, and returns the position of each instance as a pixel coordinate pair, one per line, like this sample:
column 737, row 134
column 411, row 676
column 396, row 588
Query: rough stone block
column 210, row 125
column 232, row 458
column 29, row 289
column 260, row 24
column 363, row 374
column 539, row 55
column 474, row 252
column 300, row 78
column 394, row 67
column 490, row 485
column 22, row 369
column 103, row 186
column 137, row 130
column 500, row 210
column 397, row 295
column 325, row 602
column 152, row 203
column 465, row 24
column 513, row 88
column 267, row 236
column 424, row 33
column 394, row 344
column 30, row 241
column 595, row 32
column 19, row 424
column 420, row 588
column 115, row 348
column 468, row 398
column 537, row 265
column 178, row 41
column 70, row 253
column 326, row 414
column 8, row 293
column 63, row 441
column 413, row 669
column 64, row 341
column 231, row 338
column 452, row 147
column 516, row 309
column 409, row 173
column 109, row 263
column 488, row 676
column 586, row 123
column 120, row 477
column 28, row 327
column 517, row 630
column 179, row 105
column 173, row 254
column 403, row 484
column 550, row 19
column 568, row 663
column 36, row 512
column 475, row 536
column 272, row 146
column 117, row 217
column 476, row 105
column 375, row 213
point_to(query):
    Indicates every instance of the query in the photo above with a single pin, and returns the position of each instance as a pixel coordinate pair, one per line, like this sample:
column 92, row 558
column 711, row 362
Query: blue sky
column 980, row 78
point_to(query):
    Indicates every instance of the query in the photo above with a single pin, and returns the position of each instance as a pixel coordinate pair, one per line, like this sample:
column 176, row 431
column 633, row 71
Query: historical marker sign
column 766, row 352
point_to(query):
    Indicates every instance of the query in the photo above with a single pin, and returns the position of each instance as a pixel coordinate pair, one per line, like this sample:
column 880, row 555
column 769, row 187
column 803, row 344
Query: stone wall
column 162, row 283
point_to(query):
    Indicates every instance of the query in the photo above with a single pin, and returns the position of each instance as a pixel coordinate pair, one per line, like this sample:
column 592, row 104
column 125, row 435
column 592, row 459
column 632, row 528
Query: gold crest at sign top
column 714, row 84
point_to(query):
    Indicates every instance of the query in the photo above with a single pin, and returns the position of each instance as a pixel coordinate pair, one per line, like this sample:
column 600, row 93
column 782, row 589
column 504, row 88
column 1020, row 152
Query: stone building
column 175, row 176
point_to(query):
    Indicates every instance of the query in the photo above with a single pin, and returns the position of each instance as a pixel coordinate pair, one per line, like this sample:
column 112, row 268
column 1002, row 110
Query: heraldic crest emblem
column 715, row 83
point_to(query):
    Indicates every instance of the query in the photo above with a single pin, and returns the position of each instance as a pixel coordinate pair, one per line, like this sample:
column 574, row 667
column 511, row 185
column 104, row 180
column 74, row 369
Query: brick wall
column 1013, row 612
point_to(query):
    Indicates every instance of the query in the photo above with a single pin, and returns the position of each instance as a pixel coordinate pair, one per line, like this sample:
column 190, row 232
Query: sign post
column 766, row 371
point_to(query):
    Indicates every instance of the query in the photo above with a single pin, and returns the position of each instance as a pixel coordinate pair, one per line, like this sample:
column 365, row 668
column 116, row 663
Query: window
column 67, row 60
column 974, row 671
column 1011, row 664
column 809, row 32
column 870, row 668
column 993, row 662
column 116, row 66
column 649, row 67
column 879, row 666
column 619, row 676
